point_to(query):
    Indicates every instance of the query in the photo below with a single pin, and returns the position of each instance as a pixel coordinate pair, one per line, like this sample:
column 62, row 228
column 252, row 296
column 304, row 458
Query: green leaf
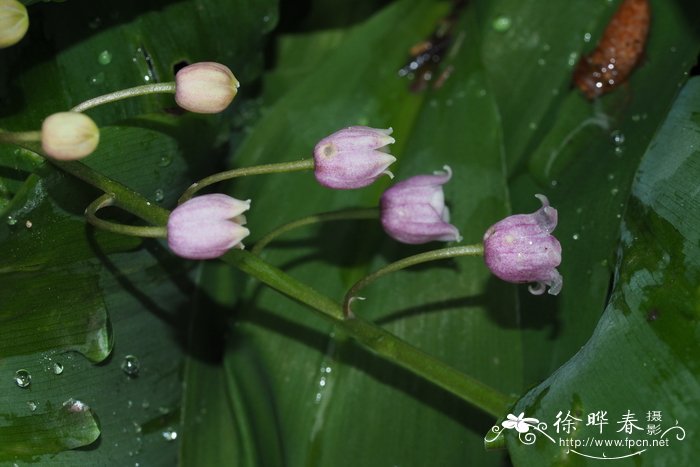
column 642, row 356
column 68, row 288
column 323, row 389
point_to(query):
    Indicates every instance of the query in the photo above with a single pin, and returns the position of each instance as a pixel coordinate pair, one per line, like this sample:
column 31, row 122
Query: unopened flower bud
column 353, row 157
column 205, row 87
column 14, row 22
column 520, row 248
column 207, row 226
column 414, row 211
column 69, row 136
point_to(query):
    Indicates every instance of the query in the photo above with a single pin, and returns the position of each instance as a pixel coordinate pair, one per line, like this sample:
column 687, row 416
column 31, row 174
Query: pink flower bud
column 14, row 22
column 353, row 157
column 205, row 87
column 414, row 211
column 520, row 249
column 207, row 226
column 69, row 136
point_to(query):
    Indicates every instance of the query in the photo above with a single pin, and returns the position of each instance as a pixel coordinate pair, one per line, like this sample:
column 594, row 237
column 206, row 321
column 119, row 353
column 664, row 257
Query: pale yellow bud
column 69, row 135
column 14, row 22
column 205, row 87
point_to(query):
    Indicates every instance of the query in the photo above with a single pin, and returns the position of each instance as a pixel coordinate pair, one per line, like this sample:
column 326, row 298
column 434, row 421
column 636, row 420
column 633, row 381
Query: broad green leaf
column 330, row 397
column 590, row 184
column 642, row 356
column 47, row 431
column 72, row 288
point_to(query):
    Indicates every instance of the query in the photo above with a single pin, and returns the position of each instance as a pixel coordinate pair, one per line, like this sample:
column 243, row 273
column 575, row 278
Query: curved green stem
column 371, row 336
column 303, row 164
column 434, row 255
column 131, row 230
column 348, row 214
column 124, row 197
column 19, row 137
column 143, row 90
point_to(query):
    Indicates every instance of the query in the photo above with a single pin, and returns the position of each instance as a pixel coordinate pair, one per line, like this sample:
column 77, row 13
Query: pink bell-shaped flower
column 353, row 157
column 207, row 226
column 414, row 211
column 520, row 248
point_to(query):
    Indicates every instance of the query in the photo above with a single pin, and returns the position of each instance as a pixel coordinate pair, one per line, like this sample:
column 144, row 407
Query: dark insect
column 426, row 55
column 618, row 51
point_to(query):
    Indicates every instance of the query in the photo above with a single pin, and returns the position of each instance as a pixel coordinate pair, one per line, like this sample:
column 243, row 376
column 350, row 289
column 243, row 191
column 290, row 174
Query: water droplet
column 32, row 405
column 587, row 37
column 97, row 79
column 575, row 236
column 57, row 368
column 573, row 57
column 501, row 24
column 146, row 78
column 105, row 57
column 532, row 126
column 619, row 150
column 541, row 62
column 266, row 19
column 130, row 366
column 169, row 434
column 614, row 191
column 76, row 406
column 165, row 160
column 28, row 224
column 636, row 118
column 611, row 177
column 11, row 220
column 617, row 137
column 23, row 379
column 159, row 195
column 554, row 183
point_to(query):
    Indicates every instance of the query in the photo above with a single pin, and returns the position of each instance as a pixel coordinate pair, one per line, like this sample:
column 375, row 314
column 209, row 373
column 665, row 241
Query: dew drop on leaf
column 501, row 24
column 165, row 160
column 169, row 434
column 23, row 379
column 105, row 57
column 130, row 366
column 57, row 368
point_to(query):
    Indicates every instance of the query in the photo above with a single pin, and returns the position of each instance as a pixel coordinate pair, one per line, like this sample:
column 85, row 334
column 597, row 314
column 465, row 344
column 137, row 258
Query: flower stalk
column 344, row 215
column 371, row 336
column 143, row 90
column 280, row 167
column 131, row 230
column 420, row 258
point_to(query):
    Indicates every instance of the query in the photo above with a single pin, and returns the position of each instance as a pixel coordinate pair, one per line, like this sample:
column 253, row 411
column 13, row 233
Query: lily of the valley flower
column 414, row 211
column 521, row 423
column 207, row 226
column 14, row 22
column 69, row 136
column 353, row 157
column 205, row 87
column 520, row 248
